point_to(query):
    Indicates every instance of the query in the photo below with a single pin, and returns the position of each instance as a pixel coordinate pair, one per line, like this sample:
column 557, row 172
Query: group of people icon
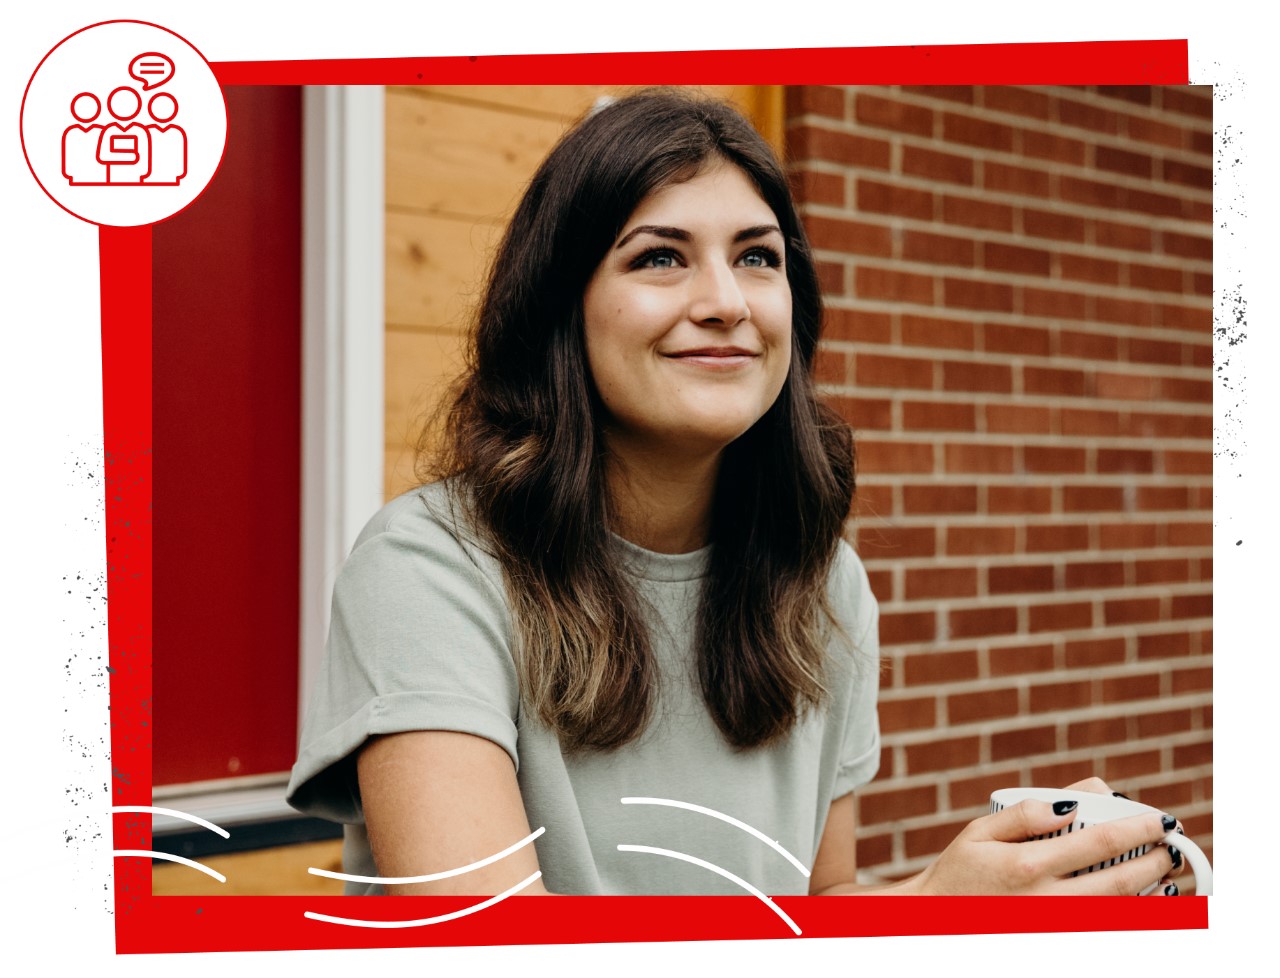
column 124, row 151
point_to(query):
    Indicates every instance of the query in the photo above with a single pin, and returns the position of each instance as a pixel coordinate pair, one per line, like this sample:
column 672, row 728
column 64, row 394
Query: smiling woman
column 620, row 609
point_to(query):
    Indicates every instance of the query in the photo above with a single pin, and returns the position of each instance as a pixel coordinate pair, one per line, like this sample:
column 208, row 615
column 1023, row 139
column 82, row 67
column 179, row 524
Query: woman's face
column 688, row 317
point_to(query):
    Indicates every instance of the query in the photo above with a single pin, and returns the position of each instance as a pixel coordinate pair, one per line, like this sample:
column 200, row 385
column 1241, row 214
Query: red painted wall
column 227, row 436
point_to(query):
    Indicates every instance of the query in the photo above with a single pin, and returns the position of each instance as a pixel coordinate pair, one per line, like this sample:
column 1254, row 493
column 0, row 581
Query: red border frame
column 163, row 924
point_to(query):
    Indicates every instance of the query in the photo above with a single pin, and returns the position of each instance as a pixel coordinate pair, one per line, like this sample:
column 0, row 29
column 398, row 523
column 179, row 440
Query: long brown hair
column 524, row 447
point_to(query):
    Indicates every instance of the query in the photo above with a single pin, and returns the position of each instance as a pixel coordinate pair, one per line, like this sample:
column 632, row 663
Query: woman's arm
column 991, row 855
column 436, row 800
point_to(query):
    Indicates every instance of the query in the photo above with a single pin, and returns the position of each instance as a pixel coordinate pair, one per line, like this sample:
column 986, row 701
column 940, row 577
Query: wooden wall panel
column 435, row 268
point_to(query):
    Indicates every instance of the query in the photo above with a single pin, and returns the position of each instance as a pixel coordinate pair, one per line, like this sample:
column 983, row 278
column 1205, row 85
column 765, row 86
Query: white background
column 55, row 825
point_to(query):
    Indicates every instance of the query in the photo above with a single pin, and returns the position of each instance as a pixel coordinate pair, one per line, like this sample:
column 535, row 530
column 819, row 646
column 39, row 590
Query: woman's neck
column 660, row 502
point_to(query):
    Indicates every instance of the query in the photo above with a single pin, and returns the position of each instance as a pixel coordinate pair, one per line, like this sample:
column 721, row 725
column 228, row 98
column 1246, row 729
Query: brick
column 1053, row 380
column 1086, row 116
column 882, row 113
column 940, row 667
column 830, row 277
column 969, row 541
column 1194, row 100
column 1183, row 389
column 881, row 582
column 1202, row 142
column 972, row 622
column 1019, row 499
column 976, row 375
column 875, row 370
column 1091, row 193
column 873, row 850
column 1092, row 499
column 952, row 93
column 1163, row 724
column 1190, row 534
column 1125, row 387
column 1018, row 659
column 1015, row 258
column 1191, row 606
column 894, row 456
column 1198, row 355
column 1018, row 419
column 932, row 839
column 1169, row 570
column 1092, row 733
column 942, row 755
column 1118, row 689
column 962, row 293
column 1061, row 617
column 1111, row 460
column 1181, row 424
column 901, row 628
column 1202, row 283
column 1157, row 278
column 863, row 413
column 1023, row 743
column 826, row 100
column 1044, row 458
column 941, row 582
column 1004, row 338
column 831, row 366
column 1083, row 268
column 1051, row 697
column 940, row 499
column 986, row 704
column 1004, row 178
column 1051, row 224
column 1015, row 100
column 1186, row 174
column 1137, row 94
column 976, row 792
column 1164, row 645
column 938, row 416
column 948, row 334
column 1057, row 149
column 851, row 237
column 1095, row 574
column 818, row 143
column 918, row 713
column 1153, row 131
column 968, row 212
column 894, row 542
column 1193, row 755
column 1088, row 346
column 1131, row 765
column 893, row 285
column 1123, row 161
column 1160, row 205
column 943, row 167
column 1197, row 318
column 957, row 128
column 1054, row 538
column 1143, row 350
column 1129, row 536
column 938, row 249
column 859, row 325
column 1187, row 245
column 1110, row 234
column 1126, row 312
column 1127, row 611
column 979, row 458
column 1087, row 421
column 1166, row 797
column 1020, row 578
column 1063, row 773
column 1089, row 652
column 874, row 197
column 1188, row 463
column 887, row 806
column 813, row 187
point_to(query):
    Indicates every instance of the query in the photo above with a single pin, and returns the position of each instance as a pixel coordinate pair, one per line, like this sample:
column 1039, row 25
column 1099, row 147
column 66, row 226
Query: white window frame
column 343, row 411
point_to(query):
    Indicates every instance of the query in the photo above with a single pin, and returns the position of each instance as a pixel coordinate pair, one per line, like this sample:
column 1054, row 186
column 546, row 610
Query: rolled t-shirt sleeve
column 419, row 639
column 860, row 754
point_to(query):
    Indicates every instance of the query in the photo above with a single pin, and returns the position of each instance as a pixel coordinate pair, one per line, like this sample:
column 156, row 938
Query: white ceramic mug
column 1093, row 808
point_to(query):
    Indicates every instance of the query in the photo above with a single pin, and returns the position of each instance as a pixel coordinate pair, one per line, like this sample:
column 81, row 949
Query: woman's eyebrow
column 679, row 234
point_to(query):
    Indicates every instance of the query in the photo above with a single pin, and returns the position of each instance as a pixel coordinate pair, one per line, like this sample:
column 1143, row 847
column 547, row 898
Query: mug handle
column 1196, row 859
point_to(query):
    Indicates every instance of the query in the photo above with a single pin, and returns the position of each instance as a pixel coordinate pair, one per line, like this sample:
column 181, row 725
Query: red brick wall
column 1019, row 327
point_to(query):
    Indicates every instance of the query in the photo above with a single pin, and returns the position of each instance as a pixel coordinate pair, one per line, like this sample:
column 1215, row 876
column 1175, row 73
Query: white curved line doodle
column 351, row 878
column 351, row 922
column 149, row 854
column 724, row 818
column 716, row 869
column 148, row 809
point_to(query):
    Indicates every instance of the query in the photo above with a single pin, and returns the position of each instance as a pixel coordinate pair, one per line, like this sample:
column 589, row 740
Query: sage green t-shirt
column 420, row 639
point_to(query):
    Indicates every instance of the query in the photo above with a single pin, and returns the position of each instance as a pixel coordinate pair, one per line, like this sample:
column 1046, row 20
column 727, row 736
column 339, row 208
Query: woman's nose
column 717, row 298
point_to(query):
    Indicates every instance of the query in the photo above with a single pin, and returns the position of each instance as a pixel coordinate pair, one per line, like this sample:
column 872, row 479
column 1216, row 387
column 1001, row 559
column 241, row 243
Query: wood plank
column 278, row 871
column 435, row 269
column 420, row 366
column 461, row 159
column 564, row 102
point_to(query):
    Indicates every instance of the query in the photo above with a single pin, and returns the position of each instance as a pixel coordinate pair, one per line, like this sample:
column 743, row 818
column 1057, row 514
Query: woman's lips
column 722, row 358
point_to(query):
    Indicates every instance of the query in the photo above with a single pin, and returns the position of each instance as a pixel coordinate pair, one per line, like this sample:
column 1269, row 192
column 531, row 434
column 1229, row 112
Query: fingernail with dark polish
column 1176, row 856
column 1171, row 889
column 1179, row 830
column 1062, row 807
column 1117, row 794
column 1168, row 823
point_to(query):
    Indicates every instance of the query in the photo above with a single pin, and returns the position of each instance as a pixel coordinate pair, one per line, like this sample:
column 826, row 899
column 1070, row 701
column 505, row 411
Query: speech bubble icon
column 152, row 69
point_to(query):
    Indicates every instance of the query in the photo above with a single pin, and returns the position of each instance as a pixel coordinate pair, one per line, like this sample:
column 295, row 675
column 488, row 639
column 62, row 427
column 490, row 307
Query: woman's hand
column 1000, row 855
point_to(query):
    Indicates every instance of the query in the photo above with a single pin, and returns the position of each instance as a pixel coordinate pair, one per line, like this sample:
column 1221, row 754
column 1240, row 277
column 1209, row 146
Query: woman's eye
column 761, row 258
column 658, row 258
